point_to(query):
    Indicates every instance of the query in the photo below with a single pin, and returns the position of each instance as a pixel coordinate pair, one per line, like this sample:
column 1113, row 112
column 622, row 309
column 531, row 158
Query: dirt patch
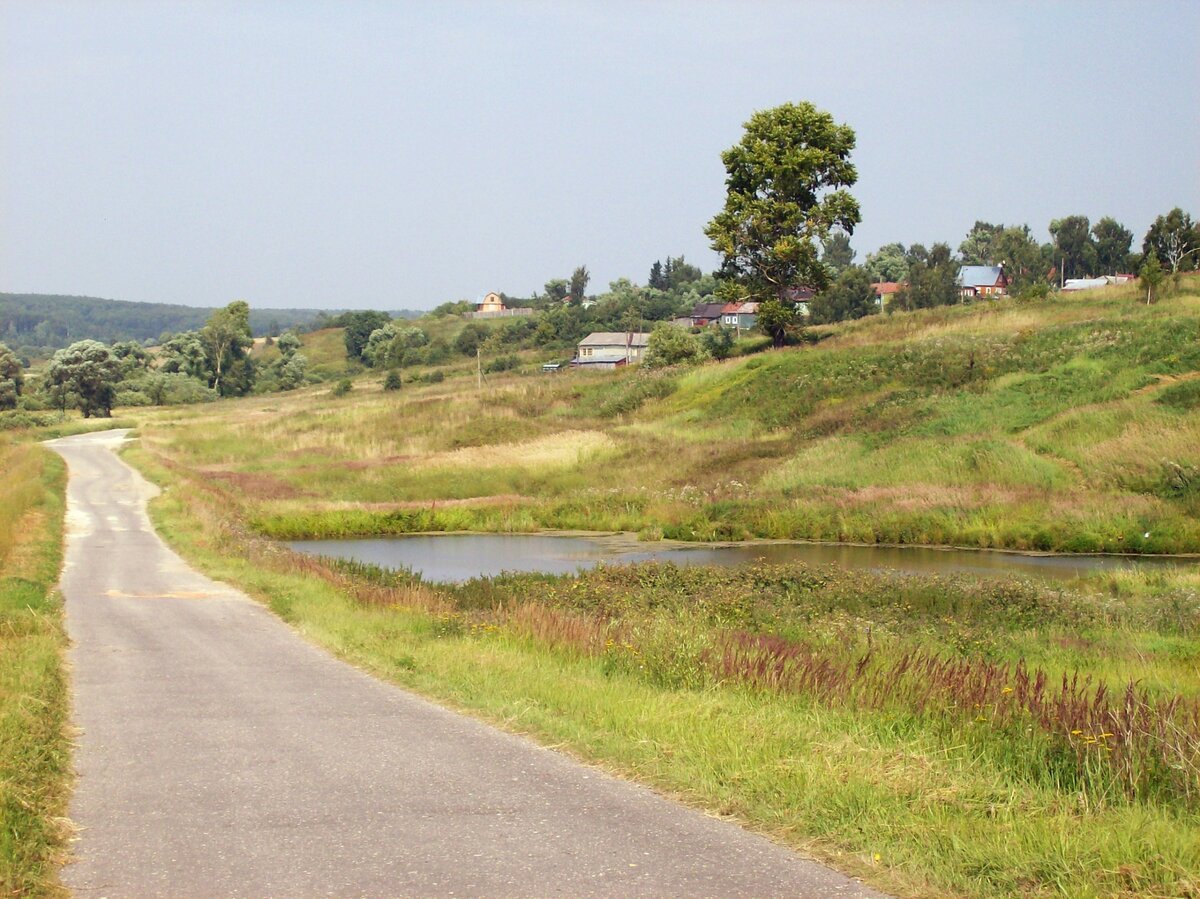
column 1167, row 381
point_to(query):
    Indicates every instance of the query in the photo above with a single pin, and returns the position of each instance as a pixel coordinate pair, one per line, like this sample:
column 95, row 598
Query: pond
column 460, row 557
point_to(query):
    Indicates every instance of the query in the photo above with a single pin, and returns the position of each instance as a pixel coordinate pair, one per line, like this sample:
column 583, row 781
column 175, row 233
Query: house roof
column 1084, row 283
column 707, row 310
column 616, row 338
column 886, row 287
column 979, row 275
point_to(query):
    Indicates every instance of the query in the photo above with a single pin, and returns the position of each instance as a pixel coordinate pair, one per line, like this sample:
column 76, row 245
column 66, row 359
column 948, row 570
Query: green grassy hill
column 1064, row 425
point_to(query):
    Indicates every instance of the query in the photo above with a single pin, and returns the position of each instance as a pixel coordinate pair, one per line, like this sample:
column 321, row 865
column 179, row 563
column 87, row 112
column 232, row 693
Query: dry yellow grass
column 560, row 450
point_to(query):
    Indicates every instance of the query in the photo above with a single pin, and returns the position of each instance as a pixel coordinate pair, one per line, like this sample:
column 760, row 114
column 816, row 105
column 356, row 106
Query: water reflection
column 460, row 557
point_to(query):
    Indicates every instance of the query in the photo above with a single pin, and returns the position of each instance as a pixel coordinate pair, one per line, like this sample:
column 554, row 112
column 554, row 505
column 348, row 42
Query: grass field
column 939, row 736
column 1067, row 425
column 34, row 752
column 935, row 736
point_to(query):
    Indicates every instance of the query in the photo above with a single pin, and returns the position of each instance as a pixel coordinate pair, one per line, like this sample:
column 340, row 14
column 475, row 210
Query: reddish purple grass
column 1148, row 744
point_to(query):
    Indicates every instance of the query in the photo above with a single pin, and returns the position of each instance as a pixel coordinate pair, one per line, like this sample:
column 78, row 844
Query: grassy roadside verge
column 917, row 804
column 34, row 749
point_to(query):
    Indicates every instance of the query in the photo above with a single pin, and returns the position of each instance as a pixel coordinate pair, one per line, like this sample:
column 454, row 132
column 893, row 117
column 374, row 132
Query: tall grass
column 34, row 757
column 889, row 724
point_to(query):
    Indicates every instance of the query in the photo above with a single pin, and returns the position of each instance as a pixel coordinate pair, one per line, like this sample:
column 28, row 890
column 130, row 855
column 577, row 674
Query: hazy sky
column 389, row 155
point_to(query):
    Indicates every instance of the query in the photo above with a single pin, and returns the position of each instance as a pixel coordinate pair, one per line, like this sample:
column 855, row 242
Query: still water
column 460, row 557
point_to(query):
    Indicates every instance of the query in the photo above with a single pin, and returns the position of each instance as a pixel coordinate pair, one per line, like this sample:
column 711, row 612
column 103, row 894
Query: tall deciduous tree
column 556, row 290
column 185, row 354
column 88, row 370
column 888, row 263
column 1175, row 239
column 1074, row 248
column 776, row 319
column 785, row 192
column 226, row 335
column 932, row 279
column 1026, row 262
column 1113, row 241
column 850, row 296
column 12, row 378
column 1151, row 274
column 357, row 328
column 979, row 247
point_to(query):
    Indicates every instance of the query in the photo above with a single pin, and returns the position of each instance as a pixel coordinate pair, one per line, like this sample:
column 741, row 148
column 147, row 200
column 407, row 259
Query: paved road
column 222, row 755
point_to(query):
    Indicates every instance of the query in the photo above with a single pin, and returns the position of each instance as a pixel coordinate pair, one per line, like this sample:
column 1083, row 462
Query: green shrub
column 502, row 363
column 342, row 387
column 392, row 381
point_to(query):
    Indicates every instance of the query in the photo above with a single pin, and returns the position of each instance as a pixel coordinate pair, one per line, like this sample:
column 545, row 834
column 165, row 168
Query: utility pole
column 479, row 368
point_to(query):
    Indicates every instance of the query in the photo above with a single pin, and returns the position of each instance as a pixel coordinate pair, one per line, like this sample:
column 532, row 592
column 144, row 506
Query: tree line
column 189, row 366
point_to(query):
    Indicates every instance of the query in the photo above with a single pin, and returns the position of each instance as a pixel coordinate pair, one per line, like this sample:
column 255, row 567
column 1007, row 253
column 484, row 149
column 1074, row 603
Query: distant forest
column 33, row 324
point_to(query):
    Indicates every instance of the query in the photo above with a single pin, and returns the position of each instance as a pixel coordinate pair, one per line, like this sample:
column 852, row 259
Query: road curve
column 222, row 755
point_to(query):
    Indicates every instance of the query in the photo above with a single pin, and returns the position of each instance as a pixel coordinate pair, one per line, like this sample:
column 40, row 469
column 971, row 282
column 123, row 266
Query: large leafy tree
column 12, row 378
column 1113, row 241
column 185, row 354
column 979, row 246
column 932, row 278
column 357, row 328
column 888, row 263
column 1074, row 248
column 669, row 345
column 785, row 192
column 850, row 296
column 556, row 290
column 1175, row 240
column 89, row 371
column 226, row 336
column 1026, row 262
column 777, row 320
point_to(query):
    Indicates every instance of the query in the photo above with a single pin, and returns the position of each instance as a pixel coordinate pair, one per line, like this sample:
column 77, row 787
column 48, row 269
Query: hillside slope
column 1068, row 425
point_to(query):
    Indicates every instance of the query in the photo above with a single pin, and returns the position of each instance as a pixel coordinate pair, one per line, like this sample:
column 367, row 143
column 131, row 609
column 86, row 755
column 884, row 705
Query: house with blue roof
column 982, row 281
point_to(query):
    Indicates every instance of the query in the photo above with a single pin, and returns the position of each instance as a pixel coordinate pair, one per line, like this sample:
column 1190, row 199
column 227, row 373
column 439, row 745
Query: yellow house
column 491, row 303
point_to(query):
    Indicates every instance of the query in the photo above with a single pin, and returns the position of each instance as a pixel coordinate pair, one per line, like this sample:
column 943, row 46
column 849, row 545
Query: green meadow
column 1067, row 425
column 934, row 735
column 937, row 736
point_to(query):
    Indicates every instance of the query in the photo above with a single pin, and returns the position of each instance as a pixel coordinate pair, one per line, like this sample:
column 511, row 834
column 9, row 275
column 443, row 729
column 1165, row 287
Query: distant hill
column 35, row 322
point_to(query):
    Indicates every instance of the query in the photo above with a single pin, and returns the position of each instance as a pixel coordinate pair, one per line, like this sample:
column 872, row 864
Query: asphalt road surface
column 222, row 755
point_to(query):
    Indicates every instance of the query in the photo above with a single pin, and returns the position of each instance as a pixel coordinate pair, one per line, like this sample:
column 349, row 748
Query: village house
column 982, row 281
column 800, row 296
column 705, row 314
column 1073, row 284
column 884, row 291
column 492, row 306
column 740, row 316
column 610, row 349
